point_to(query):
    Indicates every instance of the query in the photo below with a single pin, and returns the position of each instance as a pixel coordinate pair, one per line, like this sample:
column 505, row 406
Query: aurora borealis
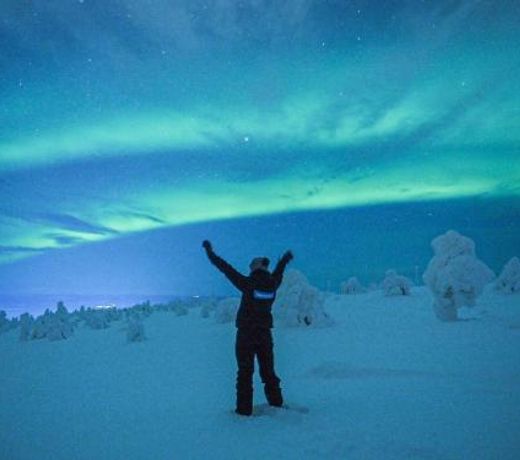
column 121, row 119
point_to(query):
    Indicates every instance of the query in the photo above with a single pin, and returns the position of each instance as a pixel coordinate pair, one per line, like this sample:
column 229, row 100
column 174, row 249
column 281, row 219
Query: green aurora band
column 319, row 127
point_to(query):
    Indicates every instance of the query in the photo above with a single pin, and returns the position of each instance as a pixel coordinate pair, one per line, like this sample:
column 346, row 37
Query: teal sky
column 120, row 117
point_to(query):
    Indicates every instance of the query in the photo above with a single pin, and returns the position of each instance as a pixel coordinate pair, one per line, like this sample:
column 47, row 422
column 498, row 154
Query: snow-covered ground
column 386, row 381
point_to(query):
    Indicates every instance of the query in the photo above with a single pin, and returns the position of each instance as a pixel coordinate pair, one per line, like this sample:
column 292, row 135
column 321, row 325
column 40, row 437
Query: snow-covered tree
column 145, row 309
column 135, row 330
column 15, row 322
column 4, row 322
column 207, row 307
column 351, row 286
column 96, row 319
column 298, row 303
column 509, row 280
column 226, row 310
column 59, row 326
column 395, row 284
column 81, row 314
column 7, row 324
column 454, row 275
column 178, row 307
column 112, row 314
column 26, row 323
column 41, row 325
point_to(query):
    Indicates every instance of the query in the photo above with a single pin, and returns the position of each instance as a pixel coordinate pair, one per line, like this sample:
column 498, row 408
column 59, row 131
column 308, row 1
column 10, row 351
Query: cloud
column 20, row 249
column 124, row 26
column 68, row 222
column 13, row 253
column 58, row 220
column 64, row 240
column 141, row 215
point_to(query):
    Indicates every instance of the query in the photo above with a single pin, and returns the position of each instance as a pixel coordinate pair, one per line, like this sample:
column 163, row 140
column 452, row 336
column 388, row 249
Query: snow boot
column 273, row 394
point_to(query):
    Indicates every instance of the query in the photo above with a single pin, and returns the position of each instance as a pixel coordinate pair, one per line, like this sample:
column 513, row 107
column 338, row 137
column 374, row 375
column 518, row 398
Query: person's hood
column 259, row 263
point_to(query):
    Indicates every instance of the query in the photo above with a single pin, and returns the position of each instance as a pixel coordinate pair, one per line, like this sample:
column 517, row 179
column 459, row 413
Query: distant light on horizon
column 105, row 307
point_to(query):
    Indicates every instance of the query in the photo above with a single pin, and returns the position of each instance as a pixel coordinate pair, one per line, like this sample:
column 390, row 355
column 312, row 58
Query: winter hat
column 259, row 263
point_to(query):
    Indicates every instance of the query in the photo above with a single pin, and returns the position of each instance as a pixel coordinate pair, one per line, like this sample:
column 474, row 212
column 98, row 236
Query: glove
column 207, row 246
column 287, row 257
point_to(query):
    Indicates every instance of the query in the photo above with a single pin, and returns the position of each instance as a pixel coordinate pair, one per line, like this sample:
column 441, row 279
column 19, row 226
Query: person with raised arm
column 254, row 322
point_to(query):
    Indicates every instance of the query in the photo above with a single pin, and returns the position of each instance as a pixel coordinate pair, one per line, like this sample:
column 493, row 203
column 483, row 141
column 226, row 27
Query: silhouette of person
column 254, row 322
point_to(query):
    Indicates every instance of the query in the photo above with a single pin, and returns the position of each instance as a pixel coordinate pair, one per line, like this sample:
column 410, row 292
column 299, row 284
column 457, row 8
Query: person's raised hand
column 207, row 245
column 288, row 256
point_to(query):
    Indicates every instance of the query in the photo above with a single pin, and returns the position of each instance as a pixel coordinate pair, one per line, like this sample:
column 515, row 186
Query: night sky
column 352, row 132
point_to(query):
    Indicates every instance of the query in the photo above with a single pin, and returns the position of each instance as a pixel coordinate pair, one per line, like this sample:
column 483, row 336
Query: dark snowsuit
column 254, row 322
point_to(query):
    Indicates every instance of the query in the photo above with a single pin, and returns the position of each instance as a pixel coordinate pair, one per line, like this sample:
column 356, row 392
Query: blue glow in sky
column 124, row 122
